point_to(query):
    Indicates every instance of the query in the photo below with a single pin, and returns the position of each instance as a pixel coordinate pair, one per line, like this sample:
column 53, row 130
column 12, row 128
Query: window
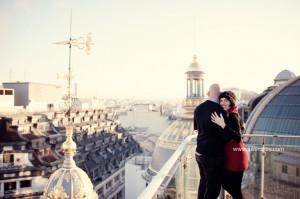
column 284, row 168
column 29, row 119
column 9, row 186
column 117, row 178
column 119, row 195
column 25, row 183
column 1, row 92
column 100, row 191
column 298, row 172
column 8, row 92
column 108, row 184
column 8, row 158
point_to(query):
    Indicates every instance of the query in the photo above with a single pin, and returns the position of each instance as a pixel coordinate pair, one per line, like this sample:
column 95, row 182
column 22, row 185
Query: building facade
column 35, row 96
column 30, row 151
column 7, row 98
column 134, row 181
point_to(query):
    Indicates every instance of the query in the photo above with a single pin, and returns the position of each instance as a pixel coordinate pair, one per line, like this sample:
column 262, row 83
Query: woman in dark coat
column 236, row 154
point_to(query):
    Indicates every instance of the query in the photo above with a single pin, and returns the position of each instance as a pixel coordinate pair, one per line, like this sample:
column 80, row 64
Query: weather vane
column 70, row 181
column 80, row 43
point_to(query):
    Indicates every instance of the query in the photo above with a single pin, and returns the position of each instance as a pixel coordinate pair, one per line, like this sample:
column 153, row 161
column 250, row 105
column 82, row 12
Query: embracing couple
column 220, row 152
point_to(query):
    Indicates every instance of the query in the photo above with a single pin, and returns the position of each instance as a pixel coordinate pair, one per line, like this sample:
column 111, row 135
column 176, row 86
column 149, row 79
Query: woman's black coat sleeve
column 233, row 127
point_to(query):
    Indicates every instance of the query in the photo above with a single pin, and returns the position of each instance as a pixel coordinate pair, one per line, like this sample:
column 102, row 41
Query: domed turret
column 69, row 182
column 283, row 76
column 195, row 66
column 194, row 86
column 173, row 136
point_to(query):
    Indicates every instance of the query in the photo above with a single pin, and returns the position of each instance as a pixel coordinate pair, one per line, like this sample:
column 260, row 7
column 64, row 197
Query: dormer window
column 29, row 119
column 8, row 186
column 8, row 158
column 25, row 183
column 284, row 168
column 8, row 92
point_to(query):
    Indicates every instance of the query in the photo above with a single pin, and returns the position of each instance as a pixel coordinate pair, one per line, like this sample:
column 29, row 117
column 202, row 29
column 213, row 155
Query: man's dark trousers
column 210, row 176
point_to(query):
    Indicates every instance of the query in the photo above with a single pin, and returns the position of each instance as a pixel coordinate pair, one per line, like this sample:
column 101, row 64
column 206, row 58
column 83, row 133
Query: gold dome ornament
column 69, row 182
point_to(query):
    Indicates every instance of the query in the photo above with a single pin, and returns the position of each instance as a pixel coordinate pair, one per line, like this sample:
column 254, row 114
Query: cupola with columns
column 194, row 86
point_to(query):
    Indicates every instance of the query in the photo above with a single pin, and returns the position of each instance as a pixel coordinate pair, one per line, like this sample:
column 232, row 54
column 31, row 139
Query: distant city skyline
column 143, row 48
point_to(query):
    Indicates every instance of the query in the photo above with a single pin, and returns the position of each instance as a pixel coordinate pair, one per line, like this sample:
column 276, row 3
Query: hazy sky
column 143, row 47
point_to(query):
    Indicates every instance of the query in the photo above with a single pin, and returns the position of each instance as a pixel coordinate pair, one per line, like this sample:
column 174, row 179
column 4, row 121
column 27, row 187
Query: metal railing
column 157, row 181
column 157, row 184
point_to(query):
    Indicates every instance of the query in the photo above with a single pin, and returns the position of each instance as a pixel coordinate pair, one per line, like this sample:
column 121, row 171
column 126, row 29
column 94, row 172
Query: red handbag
column 236, row 156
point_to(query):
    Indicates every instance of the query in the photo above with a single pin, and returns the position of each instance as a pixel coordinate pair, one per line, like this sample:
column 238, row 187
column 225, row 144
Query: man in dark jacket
column 210, row 145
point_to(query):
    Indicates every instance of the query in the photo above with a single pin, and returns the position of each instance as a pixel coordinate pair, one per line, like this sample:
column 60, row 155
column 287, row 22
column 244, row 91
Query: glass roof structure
column 278, row 113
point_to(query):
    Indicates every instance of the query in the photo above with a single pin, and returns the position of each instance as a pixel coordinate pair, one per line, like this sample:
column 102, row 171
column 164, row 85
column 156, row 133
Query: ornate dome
column 195, row 66
column 69, row 182
column 169, row 141
column 284, row 76
column 176, row 133
column 278, row 112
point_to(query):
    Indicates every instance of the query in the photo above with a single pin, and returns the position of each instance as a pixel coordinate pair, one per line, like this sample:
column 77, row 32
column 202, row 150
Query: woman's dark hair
column 230, row 96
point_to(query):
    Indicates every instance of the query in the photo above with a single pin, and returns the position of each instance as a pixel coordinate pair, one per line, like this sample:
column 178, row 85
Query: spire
column 69, row 149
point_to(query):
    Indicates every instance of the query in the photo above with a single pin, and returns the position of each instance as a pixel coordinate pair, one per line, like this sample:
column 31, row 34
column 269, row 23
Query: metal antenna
column 69, row 71
column 80, row 43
